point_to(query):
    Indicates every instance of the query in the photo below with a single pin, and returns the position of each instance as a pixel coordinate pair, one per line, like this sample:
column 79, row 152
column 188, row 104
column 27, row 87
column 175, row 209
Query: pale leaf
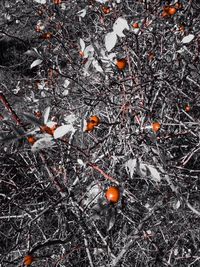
column 97, row 66
column 110, row 40
column 119, row 26
column 82, row 44
column 130, row 166
column 154, row 174
column 102, row 1
column 66, row 83
column 82, row 13
column 42, row 143
column 36, row 63
column 187, row 39
column 46, row 114
column 40, row 1
column 62, row 130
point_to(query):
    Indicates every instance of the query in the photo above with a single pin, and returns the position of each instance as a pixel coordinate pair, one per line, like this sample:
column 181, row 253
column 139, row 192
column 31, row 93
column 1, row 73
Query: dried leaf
column 110, row 40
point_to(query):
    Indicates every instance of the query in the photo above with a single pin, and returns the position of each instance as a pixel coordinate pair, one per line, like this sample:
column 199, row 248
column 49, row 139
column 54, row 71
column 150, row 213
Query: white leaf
column 36, row 63
column 82, row 44
column 187, row 39
column 65, row 92
column 120, row 25
column 66, row 83
column 110, row 40
column 130, row 166
column 102, row 1
column 46, row 114
column 154, row 174
column 80, row 162
column 97, row 66
column 42, row 143
column 40, row 1
column 82, row 13
column 177, row 205
column 62, row 130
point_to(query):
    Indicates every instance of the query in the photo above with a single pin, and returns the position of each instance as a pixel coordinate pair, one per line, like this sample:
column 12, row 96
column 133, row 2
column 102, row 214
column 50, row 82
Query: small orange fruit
column 172, row 11
column 106, row 9
column 188, row 108
column 28, row 259
column 155, row 126
column 89, row 127
column 31, row 140
column 94, row 120
column 121, row 64
column 113, row 194
column 135, row 25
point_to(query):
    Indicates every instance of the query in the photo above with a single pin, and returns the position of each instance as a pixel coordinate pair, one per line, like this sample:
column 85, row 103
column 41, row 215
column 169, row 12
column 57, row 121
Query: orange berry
column 90, row 127
column 106, row 10
column 28, row 259
column 31, row 140
column 135, row 25
column 94, row 120
column 156, row 126
column 113, row 194
column 172, row 11
column 188, row 108
column 121, row 64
